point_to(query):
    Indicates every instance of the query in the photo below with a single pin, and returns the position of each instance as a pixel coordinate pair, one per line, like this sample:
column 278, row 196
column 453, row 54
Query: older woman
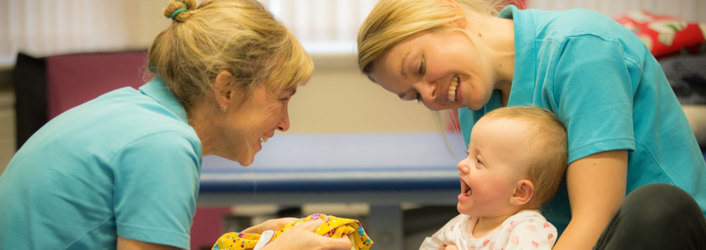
column 122, row 171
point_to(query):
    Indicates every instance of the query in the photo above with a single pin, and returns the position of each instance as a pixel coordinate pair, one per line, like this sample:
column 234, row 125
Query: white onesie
column 527, row 229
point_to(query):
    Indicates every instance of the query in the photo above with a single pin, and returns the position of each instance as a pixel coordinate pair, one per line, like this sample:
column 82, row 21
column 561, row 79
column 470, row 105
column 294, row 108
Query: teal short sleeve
column 158, row 209
column 591, row 92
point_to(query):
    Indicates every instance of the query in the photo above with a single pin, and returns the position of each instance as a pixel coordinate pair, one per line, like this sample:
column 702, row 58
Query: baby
column 516, row 161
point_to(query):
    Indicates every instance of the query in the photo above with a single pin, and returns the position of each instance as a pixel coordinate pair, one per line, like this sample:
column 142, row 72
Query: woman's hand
column 302, row 236
column 271, row 224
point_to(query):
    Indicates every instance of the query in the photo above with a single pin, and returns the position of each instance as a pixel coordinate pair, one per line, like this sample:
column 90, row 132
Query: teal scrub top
column 610, row 93
column 126, row 163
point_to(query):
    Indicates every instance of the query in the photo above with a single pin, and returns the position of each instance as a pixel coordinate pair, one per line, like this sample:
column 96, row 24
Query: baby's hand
column 450, row 247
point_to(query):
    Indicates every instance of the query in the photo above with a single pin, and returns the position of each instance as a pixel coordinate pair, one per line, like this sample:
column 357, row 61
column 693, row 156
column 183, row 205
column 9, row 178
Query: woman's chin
column 247, row 158
column 244, row 160
column 474, row 107
column 245, row 163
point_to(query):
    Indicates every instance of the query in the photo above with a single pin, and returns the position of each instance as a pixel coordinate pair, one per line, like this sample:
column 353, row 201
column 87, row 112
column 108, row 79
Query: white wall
column 339, row 99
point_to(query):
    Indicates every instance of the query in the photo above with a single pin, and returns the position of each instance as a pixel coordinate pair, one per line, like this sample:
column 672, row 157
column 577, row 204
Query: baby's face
column 497, row 160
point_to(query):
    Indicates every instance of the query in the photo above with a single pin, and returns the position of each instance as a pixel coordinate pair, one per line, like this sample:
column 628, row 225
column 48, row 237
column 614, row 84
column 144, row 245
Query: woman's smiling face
column 442, row 69
column 254, row 121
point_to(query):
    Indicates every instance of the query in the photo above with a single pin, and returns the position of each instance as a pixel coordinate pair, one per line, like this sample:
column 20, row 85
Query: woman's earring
column 224, row 109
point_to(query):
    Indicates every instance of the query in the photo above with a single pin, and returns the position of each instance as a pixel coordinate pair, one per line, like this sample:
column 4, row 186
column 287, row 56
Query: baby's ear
column 524, row 191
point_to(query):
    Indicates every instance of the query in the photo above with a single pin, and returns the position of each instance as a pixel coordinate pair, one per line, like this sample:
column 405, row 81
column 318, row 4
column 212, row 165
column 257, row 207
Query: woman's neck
column 496, row 36
column 201, row 119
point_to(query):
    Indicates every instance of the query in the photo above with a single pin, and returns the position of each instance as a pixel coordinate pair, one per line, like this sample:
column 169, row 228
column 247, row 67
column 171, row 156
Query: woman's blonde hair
column 240, row 37
column 392, row 21
column 549, row 146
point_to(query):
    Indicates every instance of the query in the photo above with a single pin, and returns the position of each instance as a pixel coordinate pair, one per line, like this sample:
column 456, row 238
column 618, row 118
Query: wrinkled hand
column 271, row 224
column 302, row 236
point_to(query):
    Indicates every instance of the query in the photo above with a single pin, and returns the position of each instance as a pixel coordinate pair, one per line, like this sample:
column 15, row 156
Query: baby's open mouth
column 465, row 189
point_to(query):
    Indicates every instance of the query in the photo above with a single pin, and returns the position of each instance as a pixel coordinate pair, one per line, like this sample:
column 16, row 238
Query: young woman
column 625, row 126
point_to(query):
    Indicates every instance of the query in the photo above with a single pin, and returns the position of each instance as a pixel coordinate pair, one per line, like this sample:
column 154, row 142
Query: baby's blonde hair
column 240, row 37
column 392, row 21
column 548, row 144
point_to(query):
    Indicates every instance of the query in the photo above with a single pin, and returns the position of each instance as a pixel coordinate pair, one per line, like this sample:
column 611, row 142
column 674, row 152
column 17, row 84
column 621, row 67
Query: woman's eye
column 422, row 68
column 287, row 95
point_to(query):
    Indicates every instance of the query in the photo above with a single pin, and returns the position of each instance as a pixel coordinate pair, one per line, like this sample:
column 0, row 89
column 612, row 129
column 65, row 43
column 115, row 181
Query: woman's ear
column 460, row 22
column 222, row 89
column 524, row 191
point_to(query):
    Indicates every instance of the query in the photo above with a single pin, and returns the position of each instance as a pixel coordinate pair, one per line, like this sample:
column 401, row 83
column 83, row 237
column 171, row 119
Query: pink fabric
column 76, row 78
column 208, row 226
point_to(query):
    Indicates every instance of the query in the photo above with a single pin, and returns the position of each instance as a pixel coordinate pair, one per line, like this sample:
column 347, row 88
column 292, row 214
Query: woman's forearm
column 596, row 185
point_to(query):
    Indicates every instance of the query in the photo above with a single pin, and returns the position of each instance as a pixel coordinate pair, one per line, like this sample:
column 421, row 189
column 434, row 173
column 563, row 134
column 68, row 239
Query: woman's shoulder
column 564, row 24
column 125, row 115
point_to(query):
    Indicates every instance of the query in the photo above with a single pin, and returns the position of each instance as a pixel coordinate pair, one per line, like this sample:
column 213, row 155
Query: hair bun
column 177, row 10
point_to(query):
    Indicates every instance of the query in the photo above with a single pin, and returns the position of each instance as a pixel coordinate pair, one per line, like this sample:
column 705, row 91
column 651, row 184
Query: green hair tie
column 178, row 11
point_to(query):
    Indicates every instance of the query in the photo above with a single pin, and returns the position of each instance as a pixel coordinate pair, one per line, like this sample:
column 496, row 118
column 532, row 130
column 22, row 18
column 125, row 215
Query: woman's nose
column 429, row 93
column 427, row 90
column 284, row 122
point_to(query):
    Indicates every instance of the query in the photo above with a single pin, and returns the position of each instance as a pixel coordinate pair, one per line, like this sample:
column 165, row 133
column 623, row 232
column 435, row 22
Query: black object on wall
column 30, row 80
